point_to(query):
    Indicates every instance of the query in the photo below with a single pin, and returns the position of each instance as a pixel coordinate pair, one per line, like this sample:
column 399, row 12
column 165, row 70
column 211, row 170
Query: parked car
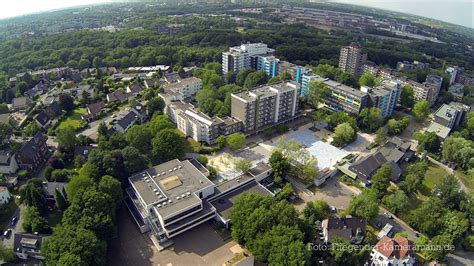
column 7, row 233
column 14, row 220
column 388, row 215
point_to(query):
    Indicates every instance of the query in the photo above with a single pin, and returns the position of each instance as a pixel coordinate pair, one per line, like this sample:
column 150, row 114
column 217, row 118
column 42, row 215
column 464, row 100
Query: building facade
column 266, row 105
column 239, row 57
column 8, row 164
column 187, row 87
column 385, row 97
column 33, row 153
column 352, row 58
column 398, row 251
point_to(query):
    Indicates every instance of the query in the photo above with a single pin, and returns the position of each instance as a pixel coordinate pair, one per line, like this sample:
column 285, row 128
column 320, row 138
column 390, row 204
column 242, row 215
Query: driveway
column 91, row 131
column 198, row 246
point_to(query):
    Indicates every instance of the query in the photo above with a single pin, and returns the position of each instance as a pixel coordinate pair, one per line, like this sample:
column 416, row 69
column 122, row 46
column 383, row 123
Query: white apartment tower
column 239, row 57
column 352, row 59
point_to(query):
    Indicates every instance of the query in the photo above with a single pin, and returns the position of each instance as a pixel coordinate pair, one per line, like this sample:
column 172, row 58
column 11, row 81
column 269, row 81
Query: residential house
column 94, row 110
column 33, row 153
column 78, row 91
column 36, row 90
column 20, row 103
column 135, row 89
column 172, row 77
column 152, row 83
column 398, row 251
column 82, row 151
column 28, row 246
column 54, row 109
column 43, row 120
column 49, row 191
column 136, row 114
column 8, row 164
column 117, row 96
column 5, row 195
column 351, row 229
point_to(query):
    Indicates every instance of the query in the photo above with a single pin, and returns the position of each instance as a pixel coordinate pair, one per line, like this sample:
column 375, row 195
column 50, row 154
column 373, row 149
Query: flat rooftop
column 170, row 186
column 266, row 90
column 224, row 204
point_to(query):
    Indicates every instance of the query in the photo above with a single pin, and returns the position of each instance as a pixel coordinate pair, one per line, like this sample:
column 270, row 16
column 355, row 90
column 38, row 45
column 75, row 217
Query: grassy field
column 467, row 180
column 74, row 120
column 434, row 176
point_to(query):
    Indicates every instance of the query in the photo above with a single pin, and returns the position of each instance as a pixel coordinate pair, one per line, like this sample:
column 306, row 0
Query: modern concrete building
column 239, row 57
column 405, row 66
column 352, row 58
column 187, row 87
column 276, row 67
column 170, row 197
column 266, row 105
column 448, row 117
column 385, row 96
column 457, row 91
column 200, row 126
column 428, row 90
column 454, row 73
column 433, row 82
column 343, row 98
column 175, row 196
column 269, row 64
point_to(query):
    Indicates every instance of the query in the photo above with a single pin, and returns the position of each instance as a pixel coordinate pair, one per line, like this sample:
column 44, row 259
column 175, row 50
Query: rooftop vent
column 170, row 201
column 160, row 196
column 177, row 197
column 188, row 193
column 163, row 173
column 176, row 168
column 155, row 190
column 146, row 180
column 179, row 167
column 158, row 175
column 182, row 196
column 159, row 205
column 164, row 203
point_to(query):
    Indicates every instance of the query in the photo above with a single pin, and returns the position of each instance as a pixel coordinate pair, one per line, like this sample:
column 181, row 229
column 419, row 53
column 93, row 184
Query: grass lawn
column 467, row 180
column 6, row 213
column 434, row 176
column 74, row 120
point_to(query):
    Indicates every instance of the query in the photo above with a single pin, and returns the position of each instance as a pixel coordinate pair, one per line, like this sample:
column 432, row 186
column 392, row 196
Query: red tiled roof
column 399, row 247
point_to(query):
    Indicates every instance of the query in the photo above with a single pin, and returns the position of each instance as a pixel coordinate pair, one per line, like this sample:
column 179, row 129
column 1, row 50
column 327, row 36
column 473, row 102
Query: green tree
column 381, row 135
column 421, row 110
column 345, row 253
column 66, row 102
column 370, row 119
column 242, row 76
column 34, row 222
column 7, row 254
column 61, row 202
column 367, row 79
column 427, row 218
column 396, row 202
column 103, row 131
column 133, row 160
column 280, row 165
column 449, row 191
column 154, row 105
column 76, row 242
column 236, row 141
column 427, row 141
column 396, row 127
column 318, row 91
column 316, row 211
column 365, row 205
column 255, row 79
column 338, row 118
column 166, row 145
column 458, row 150
column 67, row 139
column 455, row 224
column 381, row 180
column 139, row 136
column 243, row 165
column 5, row 131
column 32, row 195
column 407, row 97
column 159, row 123
column 344, row 134
column 112, row 187
column 438, row 248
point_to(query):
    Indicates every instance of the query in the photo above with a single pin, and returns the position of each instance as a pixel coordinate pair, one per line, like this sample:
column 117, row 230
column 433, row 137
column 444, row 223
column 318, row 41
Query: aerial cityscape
column 235, row 132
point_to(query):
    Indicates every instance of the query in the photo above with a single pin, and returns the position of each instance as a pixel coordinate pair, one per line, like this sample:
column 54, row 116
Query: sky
column 459, row 12
column 12, row 8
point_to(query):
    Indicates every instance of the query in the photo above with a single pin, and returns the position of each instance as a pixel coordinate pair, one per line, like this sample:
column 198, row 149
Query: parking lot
column 199, row 246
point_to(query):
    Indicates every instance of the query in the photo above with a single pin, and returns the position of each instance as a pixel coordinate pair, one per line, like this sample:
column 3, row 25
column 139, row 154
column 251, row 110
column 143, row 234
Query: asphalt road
column 8, row 242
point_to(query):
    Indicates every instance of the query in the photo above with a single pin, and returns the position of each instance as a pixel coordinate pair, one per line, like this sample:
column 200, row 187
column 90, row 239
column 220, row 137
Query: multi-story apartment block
column 187, row 87
column 457, row 91
column 385, row 96
column 377, row 71
column 454, row 73
column 428, row 90
column 269, row 64
column 448, row 117
column 200, row 126
column 239, row 57
column 434, row 82
column 295, row 71
column 405, row 66
column 265, row 105
column 352, row 58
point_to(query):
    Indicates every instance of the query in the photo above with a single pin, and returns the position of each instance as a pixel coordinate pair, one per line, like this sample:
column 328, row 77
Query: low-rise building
column 117, row 96
column 82, row 151
column 266, row 105
column 351, row 229
column 43, row 120
column 28, row 246
column 170, row 197
column 49, row 191
column 33, row 153
column 448, row 117
column 5, row 195
column 20, row 103
column 398, row 251
column 94, row 110
column 135, row 89
column 405, row 66
column 137, row 114
column 8, row 164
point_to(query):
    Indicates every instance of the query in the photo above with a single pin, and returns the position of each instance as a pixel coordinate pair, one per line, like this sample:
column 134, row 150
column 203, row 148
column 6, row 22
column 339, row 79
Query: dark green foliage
column 381, row 180
column 365, row 205
column 168, row 144
column 280, row 166
column 396, row 202
column 427, row 141
column 236, row 141
column 269, row 228
column 337, row 118
column 255, row 79
column 61, row 202
column 316, row 211
column 32, row 195
column 154, row 105
column 396, row 127
column 34, row 222
column 407, row 98
column 370, row 119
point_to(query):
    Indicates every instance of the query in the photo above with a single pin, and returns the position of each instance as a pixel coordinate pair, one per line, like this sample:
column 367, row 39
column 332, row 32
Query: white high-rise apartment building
column 239, row 57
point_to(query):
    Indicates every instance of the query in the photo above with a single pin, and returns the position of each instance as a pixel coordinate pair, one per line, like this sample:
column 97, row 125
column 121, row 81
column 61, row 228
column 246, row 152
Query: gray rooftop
column 440, row 130
column 161, row 186
column 266, row 90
